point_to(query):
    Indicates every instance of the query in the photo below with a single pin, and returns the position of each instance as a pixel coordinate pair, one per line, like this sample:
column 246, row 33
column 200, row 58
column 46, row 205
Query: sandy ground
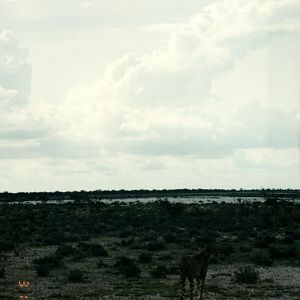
column 278, row 282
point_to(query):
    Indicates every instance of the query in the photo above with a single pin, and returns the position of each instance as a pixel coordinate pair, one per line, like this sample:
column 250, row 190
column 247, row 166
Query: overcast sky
column 124, row 94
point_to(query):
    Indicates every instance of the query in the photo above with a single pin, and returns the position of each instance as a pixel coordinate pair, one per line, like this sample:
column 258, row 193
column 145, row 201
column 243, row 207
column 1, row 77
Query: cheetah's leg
column 201, row 289
column 191, row 288
column 182, row 286
column 198, row 288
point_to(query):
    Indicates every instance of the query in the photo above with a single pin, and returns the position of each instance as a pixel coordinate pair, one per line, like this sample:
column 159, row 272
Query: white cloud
column 156, row 116
column 15, row 72
column 162, row 27
column 6, row 95
column 162, row 102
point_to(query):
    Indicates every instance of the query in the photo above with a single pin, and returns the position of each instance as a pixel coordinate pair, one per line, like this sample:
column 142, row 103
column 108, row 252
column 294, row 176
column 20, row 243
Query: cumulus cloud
column 26, row 131
column 6, row 95
column 162, row 103
column 15, row 72
column 162, row 27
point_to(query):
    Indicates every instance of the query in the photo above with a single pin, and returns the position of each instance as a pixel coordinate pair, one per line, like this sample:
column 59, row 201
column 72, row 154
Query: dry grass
column 280, row 282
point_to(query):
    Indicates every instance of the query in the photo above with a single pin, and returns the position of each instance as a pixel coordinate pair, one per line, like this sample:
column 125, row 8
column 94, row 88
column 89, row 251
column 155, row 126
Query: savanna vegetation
column 95, row 250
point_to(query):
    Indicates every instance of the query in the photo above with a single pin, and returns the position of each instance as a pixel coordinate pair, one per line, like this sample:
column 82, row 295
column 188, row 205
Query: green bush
column 5, row 246
column 127, row 267
column 126, row 243
column 261, row 259
column 282, row 251
column 125, row 233
column 296, row 234
column 170, row 238
column 264, row 240
column 2, row 272
column 53, row 261
column 42, row 270
column 145, row 257
column 159, row 272
column 149, row 236
column 132, row 271
column 242, row 236
column 173, row 269
column 214, row 260
column 93, row 249
column 206, row 237
column 225, row 249
column 75, row 275
column 66, row 250
column 289, row 239
column 166, row 257
column 156, row 246
column 3, row 257
column 246, row 274
column 100, row 264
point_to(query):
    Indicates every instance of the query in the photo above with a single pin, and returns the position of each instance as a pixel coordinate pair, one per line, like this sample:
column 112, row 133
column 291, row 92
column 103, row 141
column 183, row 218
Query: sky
column 149, row 94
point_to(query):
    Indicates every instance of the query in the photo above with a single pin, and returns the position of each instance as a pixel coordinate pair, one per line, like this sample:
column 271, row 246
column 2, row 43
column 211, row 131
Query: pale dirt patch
column 278, row 282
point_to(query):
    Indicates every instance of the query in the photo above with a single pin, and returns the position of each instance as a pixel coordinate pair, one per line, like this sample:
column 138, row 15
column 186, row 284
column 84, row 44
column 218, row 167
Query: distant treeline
column 121, row 194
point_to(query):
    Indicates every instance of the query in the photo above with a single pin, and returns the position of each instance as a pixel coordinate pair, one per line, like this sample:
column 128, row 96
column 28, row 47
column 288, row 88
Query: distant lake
column 187, row 200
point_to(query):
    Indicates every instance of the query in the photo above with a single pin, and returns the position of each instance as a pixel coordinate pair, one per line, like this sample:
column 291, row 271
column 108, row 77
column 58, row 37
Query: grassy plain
column 86, row 250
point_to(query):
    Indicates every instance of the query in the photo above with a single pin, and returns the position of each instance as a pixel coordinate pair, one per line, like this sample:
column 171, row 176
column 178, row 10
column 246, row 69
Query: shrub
column 53, row 237
column 245, row 248
column 165, row 257
column 170, row 238
column 282, row 252
column 65, row 250
column 125, row 233
column 242, row 236
column 53, row 261
column 93, row 249
column 264, row 240
column 127, row 266
column 78, row 255
column 214, row 260
column 296, row 235
column 3, row 257
column 2, row 272
column 159, row 272
column 126, row 243
column 288, row 239
column 75, row 275
column 156, row 246
column 225, row 249
column 137, row 245
column 261, row 259
column 98, row 250
column 132, row 271
column 150, row 235
column 173, row 269
column 246, row 274
column 100, row 263
column 123, row 261
column 145, row 257
column 206, row 238
column 83, row 246
column 71, row 237
column 5, row 246
column 42, row 270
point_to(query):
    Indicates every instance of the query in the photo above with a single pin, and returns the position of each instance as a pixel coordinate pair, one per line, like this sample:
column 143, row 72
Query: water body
column 187, row 200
